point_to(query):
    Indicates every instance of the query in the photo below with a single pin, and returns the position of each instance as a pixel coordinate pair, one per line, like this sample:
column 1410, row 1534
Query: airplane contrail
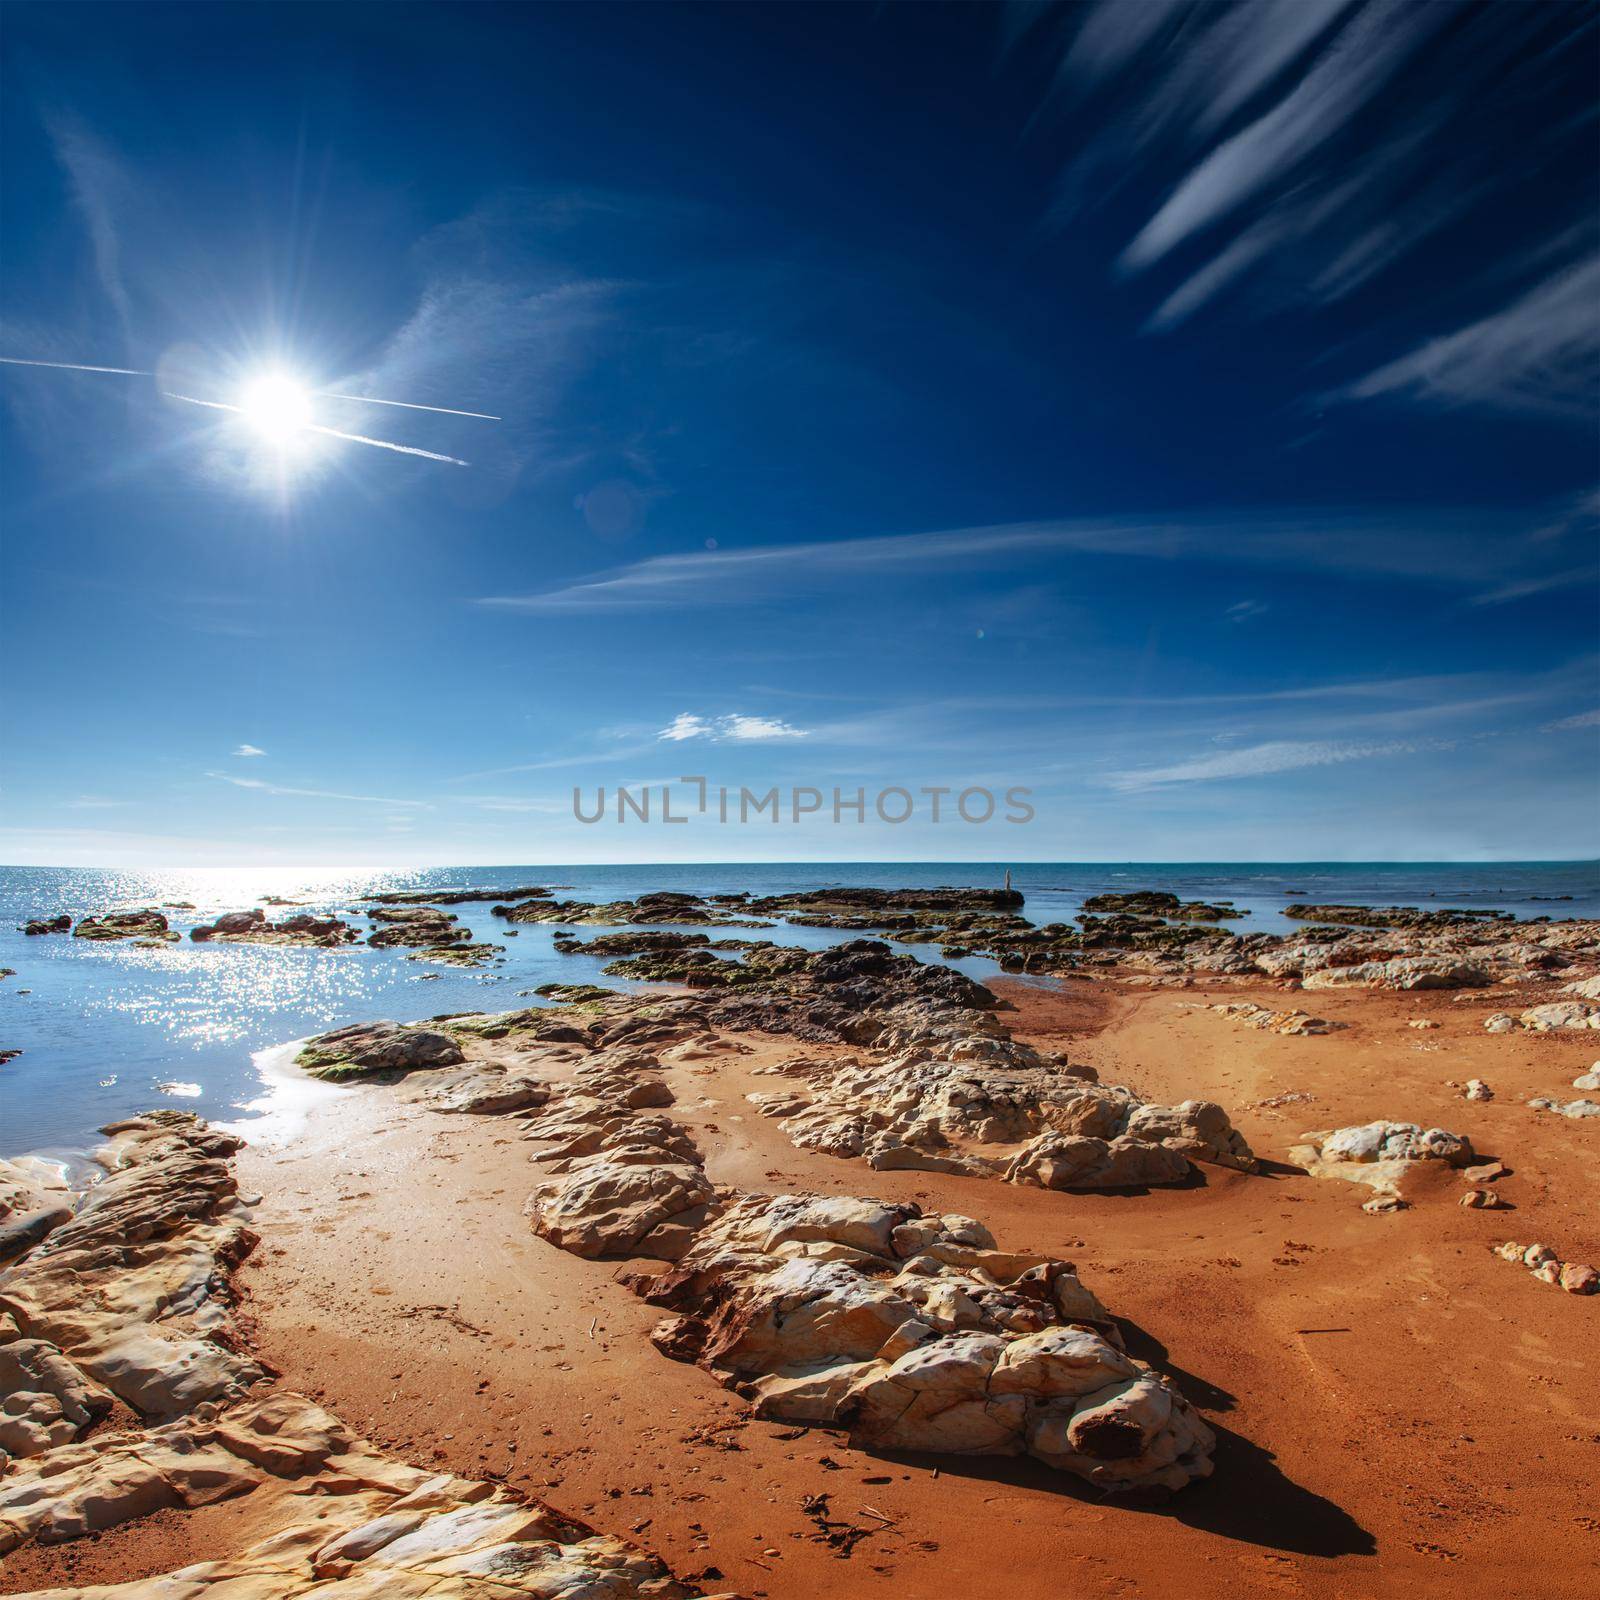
column 386, row 444
column 323, row 394
column 410, row 405
column 332, row 433
column 73, row 366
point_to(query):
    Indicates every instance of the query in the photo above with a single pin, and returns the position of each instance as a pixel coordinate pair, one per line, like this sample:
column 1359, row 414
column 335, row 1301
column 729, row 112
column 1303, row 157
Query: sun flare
column 276, row 408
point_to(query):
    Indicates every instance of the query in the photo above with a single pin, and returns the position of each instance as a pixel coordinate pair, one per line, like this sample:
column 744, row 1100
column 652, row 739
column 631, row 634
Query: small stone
column 1477, row 1089
column 1548, row 1272
column 1486, row 1172
column 1537, row 1254
column 1382, row 1203
column 1576, row 1278
column 1483, row 1200
column 1499, row 1023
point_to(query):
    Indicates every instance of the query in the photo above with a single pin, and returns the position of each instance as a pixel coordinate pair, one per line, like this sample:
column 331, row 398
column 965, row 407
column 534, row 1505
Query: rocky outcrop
column 1380, row 1155
column 452, row 897
column 1159, row 903
column 417, row 927
column 130, row 1290
column 252, row 927
column 910, row 1331
column 146, row 925
column 366, row 1048
column 460, row 955
column 1292, row 1023
column 40, row 925
column 130, row 1300
column 1400, row 972
column 1408, row 917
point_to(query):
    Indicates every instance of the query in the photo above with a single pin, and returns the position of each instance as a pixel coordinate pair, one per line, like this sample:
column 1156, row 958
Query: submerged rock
column 252, row 927
column 144, row 925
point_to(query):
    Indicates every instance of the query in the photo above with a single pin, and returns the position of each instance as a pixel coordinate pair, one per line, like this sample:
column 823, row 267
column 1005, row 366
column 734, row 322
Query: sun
column 275, row 407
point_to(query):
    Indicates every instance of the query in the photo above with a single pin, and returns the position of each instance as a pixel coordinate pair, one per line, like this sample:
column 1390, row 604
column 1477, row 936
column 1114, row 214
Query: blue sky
column 1186, row 412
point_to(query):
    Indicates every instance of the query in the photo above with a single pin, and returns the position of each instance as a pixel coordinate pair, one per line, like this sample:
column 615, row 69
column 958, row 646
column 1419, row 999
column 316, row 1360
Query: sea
column 106, row 1030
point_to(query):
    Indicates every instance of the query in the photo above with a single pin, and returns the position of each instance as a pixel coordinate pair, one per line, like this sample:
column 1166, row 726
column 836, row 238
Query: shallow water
column 103, row 1027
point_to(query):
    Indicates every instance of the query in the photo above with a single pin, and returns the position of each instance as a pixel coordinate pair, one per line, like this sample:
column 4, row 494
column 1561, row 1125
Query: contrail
column 332, row 433
column 323, row 394
column 72, row 366
column 385, row 444
column 410, row 405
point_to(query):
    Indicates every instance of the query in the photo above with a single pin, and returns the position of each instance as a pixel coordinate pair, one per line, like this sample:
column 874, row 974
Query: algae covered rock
column 369, row 1047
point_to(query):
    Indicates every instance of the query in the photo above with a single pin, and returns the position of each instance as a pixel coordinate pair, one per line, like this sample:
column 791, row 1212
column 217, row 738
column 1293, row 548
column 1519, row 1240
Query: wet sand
column 1399, row 1411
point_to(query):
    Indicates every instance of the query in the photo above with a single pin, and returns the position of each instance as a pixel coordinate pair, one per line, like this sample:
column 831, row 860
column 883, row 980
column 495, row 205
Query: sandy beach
column 1395, row 1405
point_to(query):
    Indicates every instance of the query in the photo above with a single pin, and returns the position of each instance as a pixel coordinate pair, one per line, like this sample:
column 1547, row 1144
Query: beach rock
column 39, row 925
column 488, row 1091
column 1159, row 903
column 459, row 955
column 1561, row 1014
column 128, row 1289
column 420, row 933
column 1579, row 1279
column 118, row 1296
column 1589, row 1079
column 1381, row 1155
column 1500, row 1022
column 1400, row 972
column 452, row 897
column 1290, row 1023
column 369, row 1047
column 20, row 1231
column 252, row 927
column 1585, row 988
column 1576, row 1109
column 1477, row 1089
column 144, row 925
column 915, row 1334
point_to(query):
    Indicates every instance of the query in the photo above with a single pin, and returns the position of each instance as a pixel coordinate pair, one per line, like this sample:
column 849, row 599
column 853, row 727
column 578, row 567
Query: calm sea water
column 103, row 1027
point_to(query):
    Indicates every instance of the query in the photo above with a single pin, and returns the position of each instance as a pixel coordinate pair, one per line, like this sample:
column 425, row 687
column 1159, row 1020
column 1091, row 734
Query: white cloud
column 249, row 750
column 736, row 726
column 1361, row 60
column 1435, row 546
column 1243, row 610
column 686, row 726
column 1540, row 354
column 1584, row 719
column 1279, row 755
column 757, row 728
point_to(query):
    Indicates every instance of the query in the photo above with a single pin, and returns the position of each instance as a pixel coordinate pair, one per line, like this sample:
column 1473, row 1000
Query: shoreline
column 1387, row 1396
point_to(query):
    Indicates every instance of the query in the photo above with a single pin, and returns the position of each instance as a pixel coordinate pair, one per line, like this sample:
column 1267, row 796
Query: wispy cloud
column 1255, row 761
column 99, row 187
column 249, row 750
column 1294, row 151
column 264, row 787
column 1244, row 610
column 1525, row 587
column 1583, row 719
column 1541, row 354
column 94, row 802
column 1432, row 546
column 735, row 726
